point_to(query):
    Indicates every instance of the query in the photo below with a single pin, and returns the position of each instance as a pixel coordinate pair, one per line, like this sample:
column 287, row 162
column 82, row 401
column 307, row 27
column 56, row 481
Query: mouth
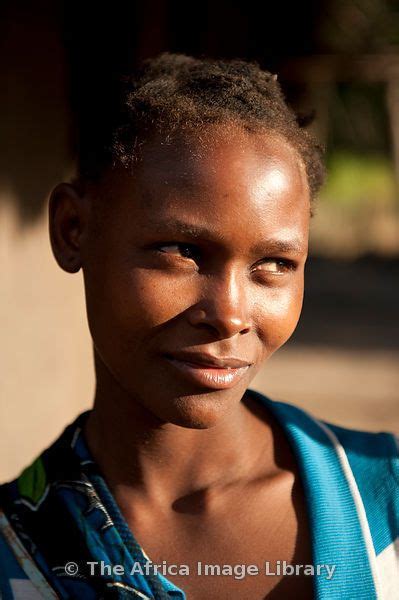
column 209, row 371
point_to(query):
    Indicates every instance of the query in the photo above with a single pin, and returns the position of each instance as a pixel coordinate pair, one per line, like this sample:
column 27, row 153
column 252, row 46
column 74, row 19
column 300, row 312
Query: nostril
column 222, row 323
column 246, row 329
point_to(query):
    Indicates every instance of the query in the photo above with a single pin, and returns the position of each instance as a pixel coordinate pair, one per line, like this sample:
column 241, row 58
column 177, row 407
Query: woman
column 189, row 216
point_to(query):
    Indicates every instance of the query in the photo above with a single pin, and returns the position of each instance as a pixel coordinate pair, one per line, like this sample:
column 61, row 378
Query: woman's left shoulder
column 372, row 456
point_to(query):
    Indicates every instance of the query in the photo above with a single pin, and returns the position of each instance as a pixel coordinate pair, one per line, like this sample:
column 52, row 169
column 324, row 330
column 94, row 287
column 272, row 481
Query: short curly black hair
column 175, row 92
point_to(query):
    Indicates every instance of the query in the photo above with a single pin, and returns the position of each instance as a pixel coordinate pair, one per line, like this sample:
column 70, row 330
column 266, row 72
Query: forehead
column 220, row 156
column 232, row 180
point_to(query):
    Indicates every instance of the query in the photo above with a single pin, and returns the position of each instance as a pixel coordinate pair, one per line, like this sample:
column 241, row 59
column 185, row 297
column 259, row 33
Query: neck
column 160, row 462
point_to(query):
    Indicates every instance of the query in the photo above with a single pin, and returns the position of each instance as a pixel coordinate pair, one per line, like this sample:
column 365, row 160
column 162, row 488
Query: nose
column 224, row 308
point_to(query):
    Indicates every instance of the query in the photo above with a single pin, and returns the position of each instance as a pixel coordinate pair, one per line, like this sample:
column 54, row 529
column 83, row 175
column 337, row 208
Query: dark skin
column 210, row 467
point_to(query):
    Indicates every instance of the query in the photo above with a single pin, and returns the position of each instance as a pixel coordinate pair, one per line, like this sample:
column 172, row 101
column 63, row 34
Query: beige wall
column 45, row 354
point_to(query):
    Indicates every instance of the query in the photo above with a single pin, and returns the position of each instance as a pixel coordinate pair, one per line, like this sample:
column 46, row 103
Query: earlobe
column 67, row 223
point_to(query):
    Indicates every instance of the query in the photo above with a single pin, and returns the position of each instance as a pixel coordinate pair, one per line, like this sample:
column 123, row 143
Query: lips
column 207, row 370
column 208, row 360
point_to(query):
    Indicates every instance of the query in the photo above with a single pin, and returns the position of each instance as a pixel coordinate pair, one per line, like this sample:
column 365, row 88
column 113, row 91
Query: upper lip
column 209, row 360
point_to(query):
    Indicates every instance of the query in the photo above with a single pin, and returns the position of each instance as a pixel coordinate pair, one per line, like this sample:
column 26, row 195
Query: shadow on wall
column 60, row 59
column 34, row 144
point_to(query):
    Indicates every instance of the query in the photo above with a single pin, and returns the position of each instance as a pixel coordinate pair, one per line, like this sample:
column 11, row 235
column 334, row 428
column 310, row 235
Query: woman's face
column 192, row 264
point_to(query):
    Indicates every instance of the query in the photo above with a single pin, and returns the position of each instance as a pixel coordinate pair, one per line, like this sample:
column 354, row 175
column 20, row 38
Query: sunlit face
column 198, row 253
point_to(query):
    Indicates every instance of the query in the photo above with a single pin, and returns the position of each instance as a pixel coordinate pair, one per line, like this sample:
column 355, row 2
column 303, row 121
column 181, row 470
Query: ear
column 68, row 218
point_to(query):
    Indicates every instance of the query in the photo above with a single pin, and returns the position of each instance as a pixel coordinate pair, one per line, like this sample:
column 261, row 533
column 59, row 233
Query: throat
column 175, row 466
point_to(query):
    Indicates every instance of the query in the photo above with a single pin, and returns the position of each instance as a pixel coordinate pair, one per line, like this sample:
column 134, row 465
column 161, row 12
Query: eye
column 275, row 266
column 179, row 249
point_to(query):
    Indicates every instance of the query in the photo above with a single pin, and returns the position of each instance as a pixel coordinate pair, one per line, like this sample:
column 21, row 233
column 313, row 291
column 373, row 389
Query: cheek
column 157, row 297
column 278, row 315
column 137, row 300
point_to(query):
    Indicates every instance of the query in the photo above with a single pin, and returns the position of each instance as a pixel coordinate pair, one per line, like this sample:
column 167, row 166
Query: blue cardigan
column 60, row 510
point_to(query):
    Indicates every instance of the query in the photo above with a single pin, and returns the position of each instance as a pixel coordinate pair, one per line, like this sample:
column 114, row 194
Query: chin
column 202, row 411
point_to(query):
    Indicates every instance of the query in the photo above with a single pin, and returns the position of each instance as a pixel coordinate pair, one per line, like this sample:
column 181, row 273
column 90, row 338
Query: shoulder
column 25, row 506
column 347, row 463
column 372, row 456
column 372, row 459
column 363, row 449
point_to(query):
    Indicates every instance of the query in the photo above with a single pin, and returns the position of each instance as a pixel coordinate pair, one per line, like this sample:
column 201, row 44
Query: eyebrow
column 174, row 225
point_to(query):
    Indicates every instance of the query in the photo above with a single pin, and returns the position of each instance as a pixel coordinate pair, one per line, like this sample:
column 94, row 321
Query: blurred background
column 336, row 60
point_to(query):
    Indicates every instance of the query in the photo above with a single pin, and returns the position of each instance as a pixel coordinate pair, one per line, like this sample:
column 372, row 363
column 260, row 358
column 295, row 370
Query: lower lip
column 214, row 378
